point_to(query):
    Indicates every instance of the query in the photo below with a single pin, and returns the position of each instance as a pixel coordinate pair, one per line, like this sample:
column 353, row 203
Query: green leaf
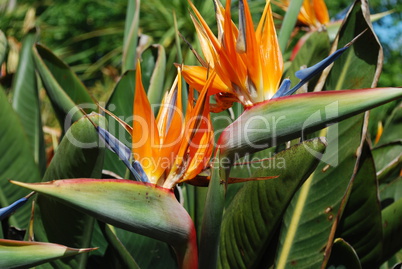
column 343, row 256
column 179, row 59
column 365, row 53
column 117, row 248
column 137, row 207
column 313, row 210
column 388, row 161
column 392, row 127
column 26, row 100
column 360, row 224
column 79, row 154
column 130, row 36
column 388, row 150
column 3, row 47
column 155, row 89
column 282, row 119
column 317, row 207
column 120, row 104
column 255, row 213
column 391, row 192
column 193, row 201
column 147, row 252
column 392, row 229
column 20, row 254
column 289, row 23
column 62, row 86
column 315, row 48
column 16, row 162
column 213, row 211
column 379, row 115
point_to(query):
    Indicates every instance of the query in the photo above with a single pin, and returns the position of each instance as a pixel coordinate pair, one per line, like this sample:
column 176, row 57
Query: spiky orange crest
column 171, row 148
column 248, row 62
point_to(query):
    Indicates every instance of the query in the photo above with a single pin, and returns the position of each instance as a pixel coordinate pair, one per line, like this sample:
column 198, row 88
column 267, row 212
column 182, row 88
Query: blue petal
column 283, row 89
column 123, row 152
column 306, row 74
column 137, row 166
column 8, row 210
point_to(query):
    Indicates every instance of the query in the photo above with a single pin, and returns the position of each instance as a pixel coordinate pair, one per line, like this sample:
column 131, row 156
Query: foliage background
column 87, row 34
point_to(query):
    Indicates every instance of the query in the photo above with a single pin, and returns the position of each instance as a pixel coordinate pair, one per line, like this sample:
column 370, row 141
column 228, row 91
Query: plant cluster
column 264, row 152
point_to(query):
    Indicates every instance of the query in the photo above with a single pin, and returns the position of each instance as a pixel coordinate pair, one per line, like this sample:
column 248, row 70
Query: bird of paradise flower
column 170, row 148
column 313, row 13
column 248, row 62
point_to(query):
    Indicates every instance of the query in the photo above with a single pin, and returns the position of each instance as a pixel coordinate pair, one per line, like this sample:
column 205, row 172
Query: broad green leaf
column 193, row 201
column 62, row 86
column 313, row 209
column 315, row 48
column 3, row 47
column 255, row 213
column 117, row 249
column 388, row 161
column 282, row 119
column 26, row 100
column 120, row 104
column 289, row 22
column 20, row 254
column 312, row 214
column 392, row 127
column 388, row 150
column 343, row 256
column 360, row 224
column 333, row 26
column 147, row 252
column 79, row 154
column 65, row 77
column 137, row 207
column 16, row 162
column 213, row 212
column 130, row 35
column 392, row 229
column 391, row 192
column 365, row 53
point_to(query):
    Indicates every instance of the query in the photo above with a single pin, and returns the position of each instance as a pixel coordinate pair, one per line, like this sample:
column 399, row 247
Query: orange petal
column 321, row 11
column 200, row 150
column 170, row 123
column 145, row 131
column 196, row 77
column 270, row 53
column 254, row 71
column 196, row 142
column 206, row 45
column 205, row 27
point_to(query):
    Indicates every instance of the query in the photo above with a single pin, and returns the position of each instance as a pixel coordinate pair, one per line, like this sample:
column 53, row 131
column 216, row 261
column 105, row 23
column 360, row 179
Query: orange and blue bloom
column 247, row 61
column 170, row 148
